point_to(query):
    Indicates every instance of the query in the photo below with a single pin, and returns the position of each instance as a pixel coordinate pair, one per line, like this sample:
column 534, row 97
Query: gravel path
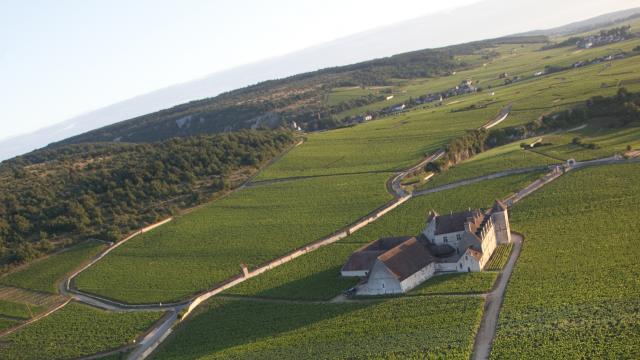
column 493, row 303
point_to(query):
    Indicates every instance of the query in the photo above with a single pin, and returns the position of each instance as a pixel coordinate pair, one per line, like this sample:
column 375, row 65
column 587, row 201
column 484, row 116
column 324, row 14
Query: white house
column 458, row 242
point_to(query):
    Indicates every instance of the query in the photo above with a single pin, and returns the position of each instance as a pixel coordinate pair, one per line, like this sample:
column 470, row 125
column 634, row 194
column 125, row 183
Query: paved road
column 493, row 303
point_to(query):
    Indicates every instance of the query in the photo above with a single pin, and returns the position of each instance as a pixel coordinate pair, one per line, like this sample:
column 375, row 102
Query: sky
column 61, row 58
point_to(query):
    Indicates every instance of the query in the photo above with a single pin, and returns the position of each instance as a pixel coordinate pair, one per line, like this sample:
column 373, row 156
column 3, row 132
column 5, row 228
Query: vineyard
column 206, row 246
column 575, row 290
column 499, row 258
column 44, row 274
column 457, row 283
column 74, row 331
column 385, row 329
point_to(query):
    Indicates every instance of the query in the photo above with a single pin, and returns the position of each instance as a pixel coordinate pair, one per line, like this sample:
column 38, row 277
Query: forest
column 57, row 196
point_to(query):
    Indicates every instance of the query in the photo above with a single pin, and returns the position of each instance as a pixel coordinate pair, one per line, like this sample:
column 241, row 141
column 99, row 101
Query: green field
column 608, row 142
column 498, row 159
column 251, row 226
column 74, row 331
column 575, row 292
column 460, row 283
column 18, row 310
column 408, row 328
column 6, row 323
column 43, row 275
column 499, row 258
column 316, row 276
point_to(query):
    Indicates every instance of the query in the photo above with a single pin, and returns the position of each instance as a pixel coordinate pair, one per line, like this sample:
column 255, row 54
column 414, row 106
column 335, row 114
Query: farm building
column 458, row 242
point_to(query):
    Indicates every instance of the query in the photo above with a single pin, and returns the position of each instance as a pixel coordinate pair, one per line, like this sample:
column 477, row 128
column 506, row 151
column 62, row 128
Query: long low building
column 458, row 242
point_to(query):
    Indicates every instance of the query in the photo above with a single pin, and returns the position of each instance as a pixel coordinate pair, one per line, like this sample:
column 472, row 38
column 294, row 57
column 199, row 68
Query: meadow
column 575, row 292
column 407, row 328
column 43, row 275
column 316, row 276
column 74, row 331
column 206, row 246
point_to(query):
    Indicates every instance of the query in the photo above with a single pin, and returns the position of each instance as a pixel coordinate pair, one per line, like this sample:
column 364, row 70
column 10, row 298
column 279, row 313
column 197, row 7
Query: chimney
column 245, row 270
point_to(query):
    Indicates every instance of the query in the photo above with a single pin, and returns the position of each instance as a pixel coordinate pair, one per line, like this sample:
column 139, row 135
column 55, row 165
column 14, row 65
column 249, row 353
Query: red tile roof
column 407, row 258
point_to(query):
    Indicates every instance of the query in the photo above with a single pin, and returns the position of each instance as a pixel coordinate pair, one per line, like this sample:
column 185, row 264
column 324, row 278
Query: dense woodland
column 55, row 196
column 622, row 109
column 297, row 99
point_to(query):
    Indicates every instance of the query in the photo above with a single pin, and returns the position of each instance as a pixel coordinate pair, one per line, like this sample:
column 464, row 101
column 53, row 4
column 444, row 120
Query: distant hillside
column 589, row 24
column 296, row 99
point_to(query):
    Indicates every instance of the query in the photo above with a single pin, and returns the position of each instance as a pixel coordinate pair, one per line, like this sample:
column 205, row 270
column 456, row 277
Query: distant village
column 605, row 37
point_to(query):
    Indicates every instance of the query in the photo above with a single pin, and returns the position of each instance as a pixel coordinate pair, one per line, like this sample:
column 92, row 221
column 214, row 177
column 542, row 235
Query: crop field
column 251, row 226
column 498, row 159
column 74, row 331
column 6, row 323
column 44, row 274
column 499, row 258
column 407, row 328
column 388, row 144
column 339, row 95
column 18, row 310
column 575, row 291
column 459, row 283
column 316, row 276
column 608, row 142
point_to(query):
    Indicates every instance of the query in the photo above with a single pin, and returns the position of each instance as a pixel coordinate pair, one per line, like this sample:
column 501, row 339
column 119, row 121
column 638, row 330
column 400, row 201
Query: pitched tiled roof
column 407, row 258
column 364, row 258
column 455, row 222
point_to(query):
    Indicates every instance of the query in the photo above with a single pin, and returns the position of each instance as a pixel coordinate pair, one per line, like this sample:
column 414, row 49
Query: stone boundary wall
column 359, row 224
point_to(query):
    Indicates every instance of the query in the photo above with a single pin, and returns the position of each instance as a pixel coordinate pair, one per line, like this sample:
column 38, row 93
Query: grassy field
column 575, row 292
column 74, row 331
column 251, row 226
column 44, row 274
column 408, row 328
column 18, row 310
column 498, row 159
column 316, row 276
column 499, row 258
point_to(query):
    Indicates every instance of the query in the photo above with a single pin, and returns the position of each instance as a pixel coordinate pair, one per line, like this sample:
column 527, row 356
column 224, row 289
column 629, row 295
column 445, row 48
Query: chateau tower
column 500, row 218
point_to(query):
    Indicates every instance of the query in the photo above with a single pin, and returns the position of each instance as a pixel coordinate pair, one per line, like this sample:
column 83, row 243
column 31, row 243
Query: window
column 458, row 237
column 460, row 265
column 445, row 239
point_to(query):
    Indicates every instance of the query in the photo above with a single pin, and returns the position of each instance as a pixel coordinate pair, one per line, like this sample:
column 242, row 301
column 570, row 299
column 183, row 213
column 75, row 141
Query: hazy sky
column 61, row 58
